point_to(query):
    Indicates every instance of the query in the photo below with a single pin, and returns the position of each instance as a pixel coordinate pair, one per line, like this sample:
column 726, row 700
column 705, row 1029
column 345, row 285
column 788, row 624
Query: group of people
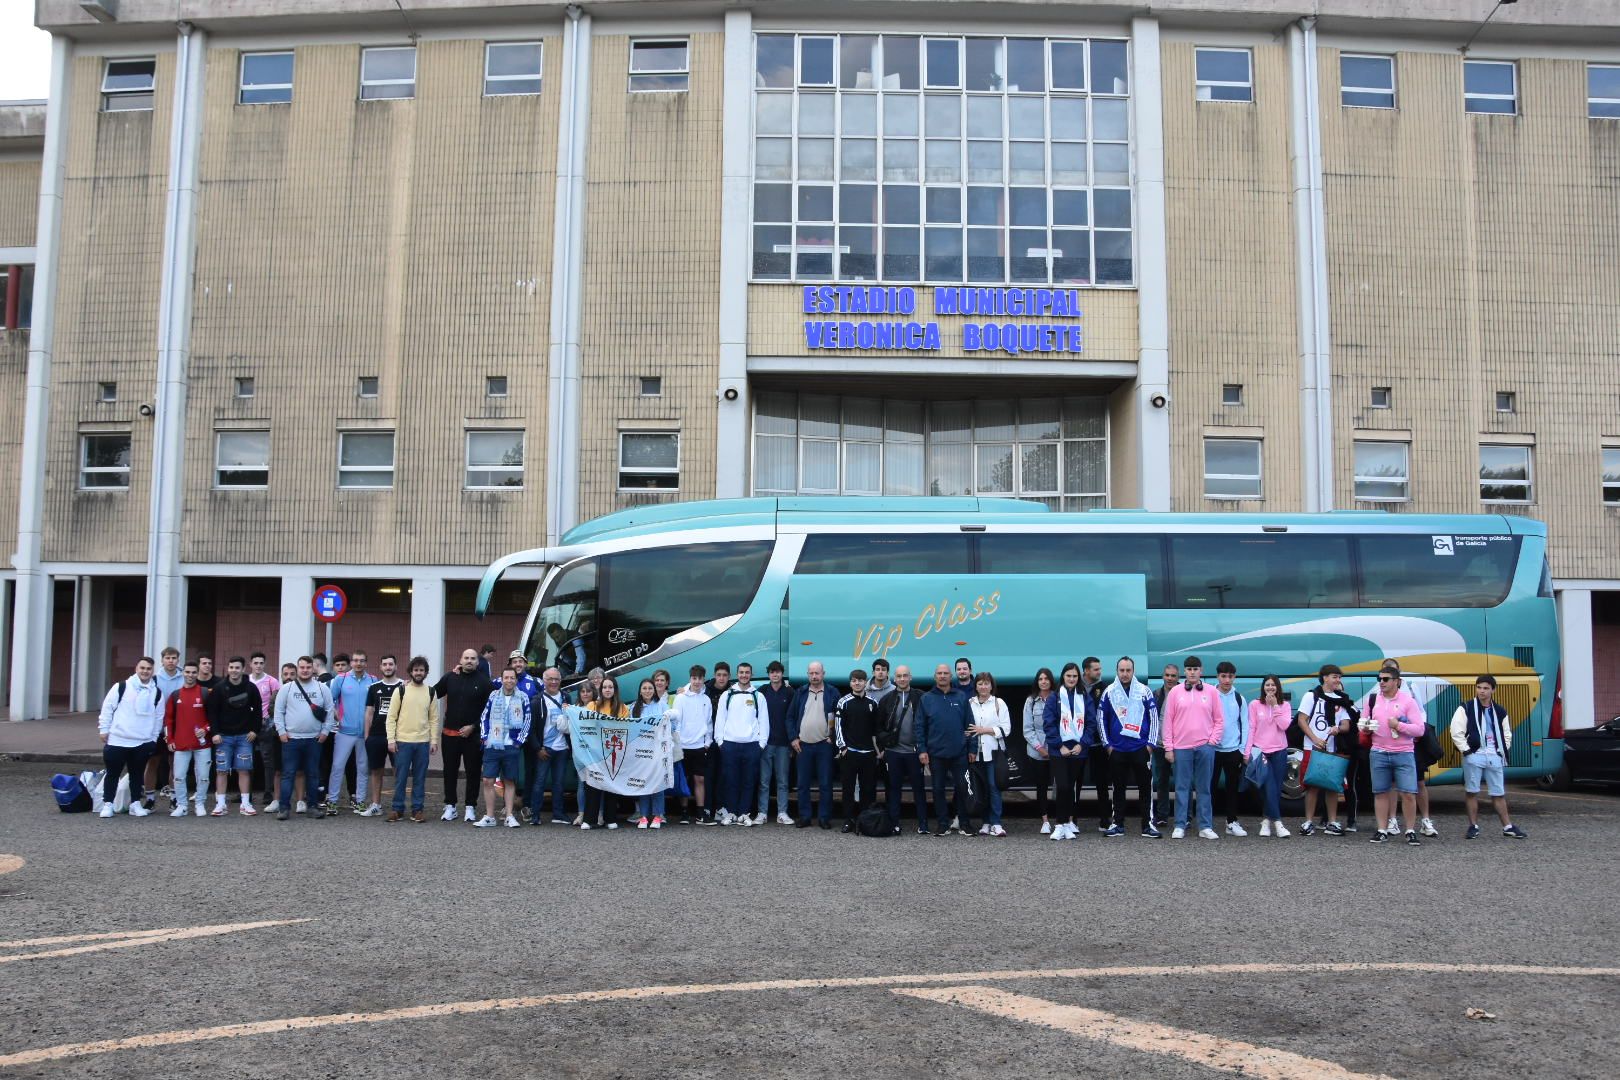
column 506, row 741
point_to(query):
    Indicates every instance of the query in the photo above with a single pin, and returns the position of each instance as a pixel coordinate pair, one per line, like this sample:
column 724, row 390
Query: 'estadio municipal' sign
column 898, row 327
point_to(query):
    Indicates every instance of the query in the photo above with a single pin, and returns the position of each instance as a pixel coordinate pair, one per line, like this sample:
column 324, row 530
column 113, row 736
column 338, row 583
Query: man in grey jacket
column 303, row 719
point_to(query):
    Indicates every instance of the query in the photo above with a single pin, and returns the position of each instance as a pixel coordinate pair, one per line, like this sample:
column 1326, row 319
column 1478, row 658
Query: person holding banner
column 650, row 707
column 609, row 749
column 621, row 753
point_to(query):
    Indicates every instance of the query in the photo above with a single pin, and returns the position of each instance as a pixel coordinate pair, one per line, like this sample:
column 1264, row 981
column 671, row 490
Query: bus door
column 1008, row 625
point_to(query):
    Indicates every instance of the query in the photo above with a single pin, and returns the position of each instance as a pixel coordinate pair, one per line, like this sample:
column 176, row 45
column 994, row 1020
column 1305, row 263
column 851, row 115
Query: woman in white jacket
column 991, row 723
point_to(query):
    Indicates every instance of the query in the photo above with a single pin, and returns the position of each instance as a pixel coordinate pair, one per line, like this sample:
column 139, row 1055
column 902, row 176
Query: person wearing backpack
column 1229, row 758
column 304, row 721
column 1325, row 714
column 130, row 723
column 1482, row 731
column 412, row 728
column 185, row 730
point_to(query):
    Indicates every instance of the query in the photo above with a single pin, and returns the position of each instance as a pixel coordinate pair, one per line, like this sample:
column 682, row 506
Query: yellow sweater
column 412, row 717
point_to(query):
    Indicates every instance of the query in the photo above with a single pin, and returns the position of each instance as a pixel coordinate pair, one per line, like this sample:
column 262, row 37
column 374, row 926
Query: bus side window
column 1242, row 570
column 896, row 553
column 1420, row 570
column 1076, row 553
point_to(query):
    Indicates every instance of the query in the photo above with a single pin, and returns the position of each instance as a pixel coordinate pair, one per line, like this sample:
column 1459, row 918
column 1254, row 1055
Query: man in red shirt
column 185, row 728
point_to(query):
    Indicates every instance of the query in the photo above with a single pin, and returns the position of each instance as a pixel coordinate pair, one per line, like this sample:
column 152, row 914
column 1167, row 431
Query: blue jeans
column 1195, row 768
column 739, row 772
column 1271, row 792
column 410, row 762
column 302, row 754
column 994, row 816
column 773, row 763
column 650, row 806
column 549, row 773
column 906, row 768
column 815, row 763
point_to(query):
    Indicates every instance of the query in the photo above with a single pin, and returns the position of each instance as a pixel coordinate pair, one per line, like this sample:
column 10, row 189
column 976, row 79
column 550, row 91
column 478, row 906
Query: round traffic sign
column 329, row 603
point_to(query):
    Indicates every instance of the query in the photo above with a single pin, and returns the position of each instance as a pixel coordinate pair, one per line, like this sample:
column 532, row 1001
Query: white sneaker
column 137, row 810
column 1234, row 828
column 1046, row 828
column 1060, row 833
column 485, row 822
column 179, row 810
column 1179, row 833
column 219, row 806
column 956, row 824
column 724, row 817
column 449, row 813
column 200, row 808
column 1282, row 831
column 1208, row 834
column 759, row 819
column 997, row 830
column 512, row 822
column 1393, row 827
column 303, row 807
column 274, row 806
column 106, row 809
column 783, row 819
column 641, row 823
column 613, row 825
column 246, row 809
column 1428, row 828
column 1265, row 828
column 984, row 830
column 745, row 821
column 373, row 810
column 657, row 823
column 584, row 826
column 472, row 815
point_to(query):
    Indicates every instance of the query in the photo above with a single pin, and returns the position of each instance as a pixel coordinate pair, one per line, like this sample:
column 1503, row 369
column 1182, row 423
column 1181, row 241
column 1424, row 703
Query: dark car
column 1591, row 756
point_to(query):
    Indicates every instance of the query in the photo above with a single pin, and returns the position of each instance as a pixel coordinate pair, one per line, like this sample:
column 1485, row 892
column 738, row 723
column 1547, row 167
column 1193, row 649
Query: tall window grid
column 1047, row 450
column 907, row 158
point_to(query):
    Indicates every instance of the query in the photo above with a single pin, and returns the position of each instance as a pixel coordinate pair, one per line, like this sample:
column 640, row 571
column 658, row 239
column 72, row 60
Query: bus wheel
column 1556, row 781
column 1293, row 789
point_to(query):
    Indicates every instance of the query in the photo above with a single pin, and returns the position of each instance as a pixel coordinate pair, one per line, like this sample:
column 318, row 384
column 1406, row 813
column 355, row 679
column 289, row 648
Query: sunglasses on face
column 1386, row 678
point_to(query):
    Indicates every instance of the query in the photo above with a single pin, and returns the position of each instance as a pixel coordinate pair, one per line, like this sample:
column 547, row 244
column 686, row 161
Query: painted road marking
column 10, row 863
column 143, row 938
column 639, row 993
column 1210, row 1051
column 65, row 939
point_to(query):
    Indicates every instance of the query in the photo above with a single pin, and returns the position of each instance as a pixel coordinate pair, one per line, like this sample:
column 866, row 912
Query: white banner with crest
column 624, row 755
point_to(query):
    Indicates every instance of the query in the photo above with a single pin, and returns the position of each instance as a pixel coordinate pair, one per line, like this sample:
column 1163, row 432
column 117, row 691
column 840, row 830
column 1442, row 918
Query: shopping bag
column 1325, row 771
column 1255, row 770
column 680, row 789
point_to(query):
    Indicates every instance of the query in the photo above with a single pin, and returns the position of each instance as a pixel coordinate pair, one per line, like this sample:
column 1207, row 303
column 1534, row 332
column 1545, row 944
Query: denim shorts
column 502, row 763
column 1477, row 767
column 233, row 752
column 1394, row 769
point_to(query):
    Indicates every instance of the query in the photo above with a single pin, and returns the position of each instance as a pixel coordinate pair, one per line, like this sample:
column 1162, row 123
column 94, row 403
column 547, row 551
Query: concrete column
column 297, row 620
column 30, row 644
column 736, row 245
column 567, row 299
column 1310, row 266
column 427, row 622
column 1153, row 481
column 1575, row 630
column 165, row 587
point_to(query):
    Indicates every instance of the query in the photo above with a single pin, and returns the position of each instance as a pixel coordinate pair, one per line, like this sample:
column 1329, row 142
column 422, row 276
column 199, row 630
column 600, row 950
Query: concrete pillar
column 297, row 620
column 1310, row 266
column 1575, row 630
column 1152, row 399
column 427, row 622
column 736, row 245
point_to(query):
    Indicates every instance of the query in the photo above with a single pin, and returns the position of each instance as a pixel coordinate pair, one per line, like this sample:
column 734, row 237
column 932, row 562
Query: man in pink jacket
column 1395, row 718
column 1193, row 721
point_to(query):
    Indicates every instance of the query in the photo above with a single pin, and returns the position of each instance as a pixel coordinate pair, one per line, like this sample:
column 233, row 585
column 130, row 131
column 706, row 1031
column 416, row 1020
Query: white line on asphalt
column 1210, row 1051
column 635, row 993
column 149, row 938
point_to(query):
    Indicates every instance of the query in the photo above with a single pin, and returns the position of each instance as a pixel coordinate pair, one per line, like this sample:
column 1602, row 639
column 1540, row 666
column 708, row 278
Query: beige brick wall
column 19, row 202
column 652, row 268
column 1231, row 271
column 1471, row 254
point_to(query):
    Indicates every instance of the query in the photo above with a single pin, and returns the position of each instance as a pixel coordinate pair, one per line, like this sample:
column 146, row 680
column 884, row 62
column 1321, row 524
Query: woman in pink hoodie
column 1269, row 721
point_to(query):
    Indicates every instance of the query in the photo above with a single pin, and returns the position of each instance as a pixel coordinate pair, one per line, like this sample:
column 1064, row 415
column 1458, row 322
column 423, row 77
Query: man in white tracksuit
column 131, row 721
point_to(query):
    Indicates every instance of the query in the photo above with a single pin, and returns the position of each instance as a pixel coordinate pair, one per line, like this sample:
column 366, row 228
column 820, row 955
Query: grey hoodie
column 293, row 717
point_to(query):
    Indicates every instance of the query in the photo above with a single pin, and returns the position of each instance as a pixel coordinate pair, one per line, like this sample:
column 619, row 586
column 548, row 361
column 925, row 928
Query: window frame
column 1345, row 88
column 1509, row 399
column 1231, row 395
column 655, row 471
column 360, row 390
column 1607, row 485
column 521, row 468
column 220, row 435
column 106, row 393
column 538, row 78
column 86, row 469
column 242, row 84
column 352, row 470
column 1358, row 478
column 110, row 96
column 684, row 72
column 1528, row 483
column 1210, row 84
column 365, row 83
column 1389, row 398
column 1613, row 103
column 246, row 382
column 1471, row 97
column 1259, row 476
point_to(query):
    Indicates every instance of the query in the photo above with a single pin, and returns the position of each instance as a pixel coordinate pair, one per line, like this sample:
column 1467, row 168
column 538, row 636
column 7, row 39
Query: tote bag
column 1326, row 771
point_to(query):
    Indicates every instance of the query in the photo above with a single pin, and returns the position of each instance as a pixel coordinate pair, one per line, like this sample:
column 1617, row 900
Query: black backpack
column 875, row 821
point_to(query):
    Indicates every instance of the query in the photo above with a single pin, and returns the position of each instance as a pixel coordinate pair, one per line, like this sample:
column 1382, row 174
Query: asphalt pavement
column 444, row 950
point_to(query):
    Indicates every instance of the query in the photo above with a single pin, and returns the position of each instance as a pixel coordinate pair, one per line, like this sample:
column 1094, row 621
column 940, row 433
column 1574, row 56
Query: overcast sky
column 25, row 53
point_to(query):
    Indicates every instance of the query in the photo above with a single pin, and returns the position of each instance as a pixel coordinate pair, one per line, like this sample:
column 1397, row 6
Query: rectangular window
column 388, row 73
column 1076, row 553
column 107, row 392
column 1232, row 394
column 104, row 461
column 495, row 385
column 127, row 85
column 244, row 386
column 651, row 386
column 649, row 460
column 1382, row 397
column 1231, row 468
column 1419, row 570
column 659, row 66
column 1366, row 82
column 495, row 459
column 267, row 78
column 16, row 295
column 511, row 67
column 366, row 387
column 843, row 553
column 1504, row 474
column 1490, row 86
column 1603, row 91
column 365, row 459
column 1611, row 475
column 1215, row 570
column 1224, row 74
column 1381, row 471
column 1507, row 401
column 242, row 459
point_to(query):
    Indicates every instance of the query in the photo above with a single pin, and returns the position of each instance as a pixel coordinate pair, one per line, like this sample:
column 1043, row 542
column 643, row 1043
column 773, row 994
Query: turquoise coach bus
column 1016, row 587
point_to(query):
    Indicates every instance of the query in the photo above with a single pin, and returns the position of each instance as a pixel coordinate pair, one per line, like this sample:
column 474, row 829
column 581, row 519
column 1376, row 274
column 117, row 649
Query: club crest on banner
column 615, row 741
